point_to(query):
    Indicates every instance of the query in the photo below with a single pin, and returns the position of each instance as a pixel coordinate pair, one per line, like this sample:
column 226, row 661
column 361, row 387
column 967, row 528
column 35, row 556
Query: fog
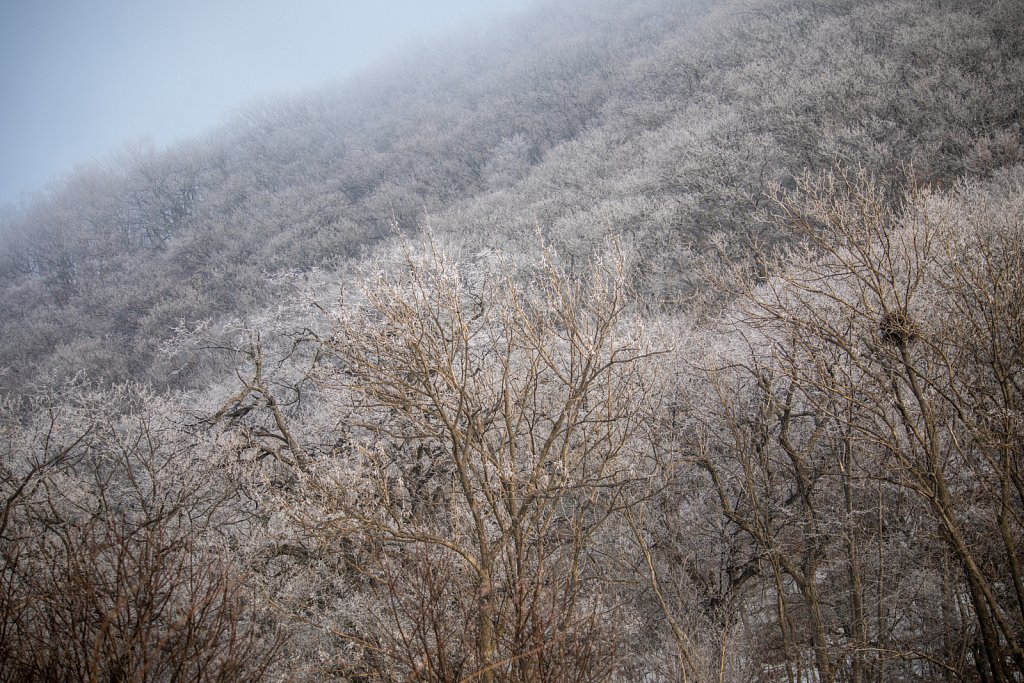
column 77, row 80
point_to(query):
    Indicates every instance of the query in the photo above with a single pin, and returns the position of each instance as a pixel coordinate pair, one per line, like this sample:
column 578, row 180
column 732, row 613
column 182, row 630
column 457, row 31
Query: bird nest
column 897, row 327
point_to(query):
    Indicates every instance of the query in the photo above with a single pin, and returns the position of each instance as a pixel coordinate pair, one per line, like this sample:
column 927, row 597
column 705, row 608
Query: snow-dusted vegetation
column 628, row 341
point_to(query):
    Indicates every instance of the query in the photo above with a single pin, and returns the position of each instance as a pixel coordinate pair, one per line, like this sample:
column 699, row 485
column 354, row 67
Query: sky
column 80, row 78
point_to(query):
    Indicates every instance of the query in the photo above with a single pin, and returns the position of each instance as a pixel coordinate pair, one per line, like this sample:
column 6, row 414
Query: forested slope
column 104, row 267
column 662, row 123
column 622, row 341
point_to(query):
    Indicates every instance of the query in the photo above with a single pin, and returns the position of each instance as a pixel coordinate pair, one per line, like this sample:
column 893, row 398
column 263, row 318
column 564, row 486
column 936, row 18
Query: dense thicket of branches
column 468, row 468
column 116, row 539
column 629, row 342
column 861, row 433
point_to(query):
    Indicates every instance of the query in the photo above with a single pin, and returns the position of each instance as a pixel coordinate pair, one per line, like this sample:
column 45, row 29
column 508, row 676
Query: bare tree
column 487, row 433
column 114, row 545
column 871, row 407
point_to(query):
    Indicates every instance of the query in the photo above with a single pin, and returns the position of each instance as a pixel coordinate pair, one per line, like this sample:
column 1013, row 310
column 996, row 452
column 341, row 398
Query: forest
column 649, row 340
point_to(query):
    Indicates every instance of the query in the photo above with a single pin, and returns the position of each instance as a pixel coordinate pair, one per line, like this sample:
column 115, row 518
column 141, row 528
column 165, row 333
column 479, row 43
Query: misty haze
column 514, row 341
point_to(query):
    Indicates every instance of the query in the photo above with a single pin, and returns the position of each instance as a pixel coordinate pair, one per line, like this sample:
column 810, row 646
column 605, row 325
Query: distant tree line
column 660, row 123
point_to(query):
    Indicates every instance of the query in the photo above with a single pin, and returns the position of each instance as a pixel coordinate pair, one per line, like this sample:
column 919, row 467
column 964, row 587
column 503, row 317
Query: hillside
column 622, row 341
column 660, row 123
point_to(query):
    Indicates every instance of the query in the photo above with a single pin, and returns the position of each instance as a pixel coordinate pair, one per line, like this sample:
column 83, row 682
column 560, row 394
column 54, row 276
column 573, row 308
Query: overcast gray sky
column 78, row 78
